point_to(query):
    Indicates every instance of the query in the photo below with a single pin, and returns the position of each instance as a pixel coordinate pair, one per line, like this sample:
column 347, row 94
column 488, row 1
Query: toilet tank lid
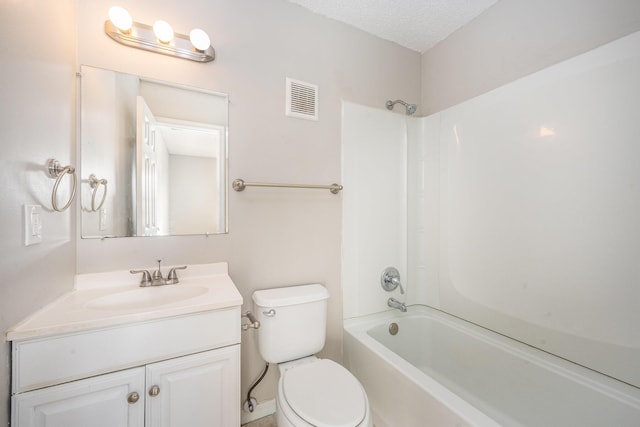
column 290, row 295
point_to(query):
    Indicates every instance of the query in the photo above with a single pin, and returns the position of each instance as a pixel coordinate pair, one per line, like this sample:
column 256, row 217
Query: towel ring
column 56, row 171
column 94, row 183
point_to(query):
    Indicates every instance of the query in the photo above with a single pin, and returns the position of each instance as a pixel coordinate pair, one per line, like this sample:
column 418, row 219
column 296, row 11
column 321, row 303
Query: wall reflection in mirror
column 157, row 155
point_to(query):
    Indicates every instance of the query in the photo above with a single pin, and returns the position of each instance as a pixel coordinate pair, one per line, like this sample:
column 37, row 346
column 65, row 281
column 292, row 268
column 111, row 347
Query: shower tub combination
column 438, row 370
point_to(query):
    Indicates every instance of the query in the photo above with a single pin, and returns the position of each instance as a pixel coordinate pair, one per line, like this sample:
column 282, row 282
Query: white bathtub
column 442, row 371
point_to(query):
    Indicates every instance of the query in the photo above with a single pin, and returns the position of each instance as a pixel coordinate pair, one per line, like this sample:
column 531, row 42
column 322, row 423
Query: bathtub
column 439, row 370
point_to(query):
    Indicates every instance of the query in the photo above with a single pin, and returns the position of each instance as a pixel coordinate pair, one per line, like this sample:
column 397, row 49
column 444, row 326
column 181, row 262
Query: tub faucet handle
column 397, row 283
column 390, row 280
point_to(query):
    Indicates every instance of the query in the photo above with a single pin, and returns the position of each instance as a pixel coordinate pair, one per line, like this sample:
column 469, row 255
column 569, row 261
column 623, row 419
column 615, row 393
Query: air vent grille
column 302, row 100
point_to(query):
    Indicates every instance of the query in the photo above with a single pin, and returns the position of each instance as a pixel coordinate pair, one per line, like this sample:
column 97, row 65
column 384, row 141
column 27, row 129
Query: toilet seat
column 324, row 394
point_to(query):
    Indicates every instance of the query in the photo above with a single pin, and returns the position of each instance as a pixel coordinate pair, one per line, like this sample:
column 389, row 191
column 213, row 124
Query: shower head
column 411, row 108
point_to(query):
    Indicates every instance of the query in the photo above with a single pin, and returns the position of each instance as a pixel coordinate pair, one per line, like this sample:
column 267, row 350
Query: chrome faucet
column 156, row 279
column 394, row 303
column 390, row 280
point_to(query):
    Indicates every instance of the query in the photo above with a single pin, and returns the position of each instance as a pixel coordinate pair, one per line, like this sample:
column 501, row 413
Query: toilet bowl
column 312, row 392
column 320, row 393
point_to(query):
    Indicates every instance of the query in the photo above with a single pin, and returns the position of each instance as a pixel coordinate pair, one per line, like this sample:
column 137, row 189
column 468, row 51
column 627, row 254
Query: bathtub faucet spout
column 394, row 303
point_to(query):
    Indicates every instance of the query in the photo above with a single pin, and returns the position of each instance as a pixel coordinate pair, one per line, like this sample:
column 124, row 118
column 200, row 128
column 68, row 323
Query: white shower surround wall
column 521, row 213
column 374, row 175
column 538, row 210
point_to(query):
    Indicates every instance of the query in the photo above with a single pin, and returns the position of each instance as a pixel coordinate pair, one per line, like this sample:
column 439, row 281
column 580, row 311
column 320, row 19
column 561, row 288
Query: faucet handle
column 146, row 276
column 172, row 277
column 396, row 282
column 390, row 279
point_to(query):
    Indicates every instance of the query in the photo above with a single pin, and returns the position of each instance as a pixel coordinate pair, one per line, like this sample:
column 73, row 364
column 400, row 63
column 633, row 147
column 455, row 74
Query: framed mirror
column 153, row 157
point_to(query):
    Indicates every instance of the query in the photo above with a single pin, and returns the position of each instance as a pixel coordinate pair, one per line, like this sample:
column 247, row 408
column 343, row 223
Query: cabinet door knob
column 133, row 397
column 154, row 390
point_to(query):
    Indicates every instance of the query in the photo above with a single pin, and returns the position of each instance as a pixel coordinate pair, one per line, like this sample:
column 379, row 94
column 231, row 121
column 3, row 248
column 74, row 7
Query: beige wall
column 37, row 98
column 515, row 38
column 276, row 237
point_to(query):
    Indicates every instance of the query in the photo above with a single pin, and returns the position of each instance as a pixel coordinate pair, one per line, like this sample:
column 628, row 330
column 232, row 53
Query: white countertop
column 101, row 300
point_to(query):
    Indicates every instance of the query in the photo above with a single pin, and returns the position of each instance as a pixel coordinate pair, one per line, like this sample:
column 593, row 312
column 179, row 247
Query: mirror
column 153, row 157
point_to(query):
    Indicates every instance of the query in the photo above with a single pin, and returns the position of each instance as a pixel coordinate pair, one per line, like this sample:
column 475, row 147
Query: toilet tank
column 293, row 321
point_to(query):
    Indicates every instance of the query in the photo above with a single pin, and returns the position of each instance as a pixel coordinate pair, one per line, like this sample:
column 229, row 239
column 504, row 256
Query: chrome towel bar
column 240, row 185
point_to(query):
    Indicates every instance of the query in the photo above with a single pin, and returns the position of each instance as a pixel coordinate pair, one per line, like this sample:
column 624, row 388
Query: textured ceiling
column 415, row 24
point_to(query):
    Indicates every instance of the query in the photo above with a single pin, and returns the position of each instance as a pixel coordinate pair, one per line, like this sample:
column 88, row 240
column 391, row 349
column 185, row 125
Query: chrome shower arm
column 411, row 108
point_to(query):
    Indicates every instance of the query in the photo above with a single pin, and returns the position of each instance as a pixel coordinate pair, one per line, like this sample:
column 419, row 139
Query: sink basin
column 149, row 297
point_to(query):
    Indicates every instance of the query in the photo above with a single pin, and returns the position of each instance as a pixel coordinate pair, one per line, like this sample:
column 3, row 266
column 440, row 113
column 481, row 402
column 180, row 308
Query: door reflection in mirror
column 164, row 148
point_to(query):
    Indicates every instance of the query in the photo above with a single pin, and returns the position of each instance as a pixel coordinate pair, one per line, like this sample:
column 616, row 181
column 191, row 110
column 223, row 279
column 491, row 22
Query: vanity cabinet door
column 110, row 400
column 199, row 390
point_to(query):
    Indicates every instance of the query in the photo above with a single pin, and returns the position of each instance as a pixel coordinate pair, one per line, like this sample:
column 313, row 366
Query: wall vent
column 302, row 100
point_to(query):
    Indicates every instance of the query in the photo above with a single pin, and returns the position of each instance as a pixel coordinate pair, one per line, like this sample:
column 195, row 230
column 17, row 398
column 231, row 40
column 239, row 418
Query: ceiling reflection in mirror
column 153, row 157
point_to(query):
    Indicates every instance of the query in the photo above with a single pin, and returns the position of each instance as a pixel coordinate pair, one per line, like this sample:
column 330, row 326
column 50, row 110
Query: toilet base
column 283, row 421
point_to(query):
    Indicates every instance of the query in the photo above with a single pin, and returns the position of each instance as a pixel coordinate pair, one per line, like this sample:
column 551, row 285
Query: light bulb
column 120, row 18
column 163, row 31
column 199, row 39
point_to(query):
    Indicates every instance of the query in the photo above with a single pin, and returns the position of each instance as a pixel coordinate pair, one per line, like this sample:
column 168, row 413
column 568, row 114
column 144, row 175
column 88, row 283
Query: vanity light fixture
column 121, row 19
column 199, row 39
column 160, row 38
column 163, row 31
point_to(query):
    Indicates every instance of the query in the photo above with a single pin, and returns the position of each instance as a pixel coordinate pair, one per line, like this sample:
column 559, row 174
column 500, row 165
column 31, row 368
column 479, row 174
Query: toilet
column 311, row 391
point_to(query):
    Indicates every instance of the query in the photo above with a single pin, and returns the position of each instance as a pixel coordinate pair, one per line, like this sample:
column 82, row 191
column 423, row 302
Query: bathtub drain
column 393, row 328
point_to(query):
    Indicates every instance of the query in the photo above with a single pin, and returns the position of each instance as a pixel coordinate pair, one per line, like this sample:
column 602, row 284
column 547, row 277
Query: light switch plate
column 32, row 224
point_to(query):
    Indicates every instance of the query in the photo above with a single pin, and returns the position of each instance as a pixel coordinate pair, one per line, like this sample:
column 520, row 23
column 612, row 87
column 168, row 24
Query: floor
column 269, row 421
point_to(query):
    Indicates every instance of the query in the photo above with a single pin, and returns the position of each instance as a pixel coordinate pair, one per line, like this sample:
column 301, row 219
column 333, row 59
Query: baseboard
column 261, row 410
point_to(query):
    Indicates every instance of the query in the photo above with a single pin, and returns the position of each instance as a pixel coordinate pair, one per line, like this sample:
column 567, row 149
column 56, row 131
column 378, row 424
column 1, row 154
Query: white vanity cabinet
column 113, row 354
column 171, row 372
column 195, row 390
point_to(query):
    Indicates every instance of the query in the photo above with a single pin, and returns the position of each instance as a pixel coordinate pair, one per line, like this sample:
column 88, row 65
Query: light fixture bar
column 141, row 36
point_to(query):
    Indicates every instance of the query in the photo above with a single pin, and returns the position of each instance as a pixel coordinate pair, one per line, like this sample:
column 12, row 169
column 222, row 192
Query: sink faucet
column 156, row 279
column 394, row 303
